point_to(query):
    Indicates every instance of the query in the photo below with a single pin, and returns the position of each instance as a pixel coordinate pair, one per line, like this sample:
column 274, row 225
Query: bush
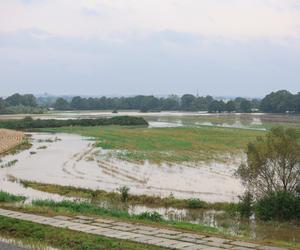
column 124, row 193
column 245, row 206
column 153, row 216
column 280, row 205
column 195, row 203
column 29, row 123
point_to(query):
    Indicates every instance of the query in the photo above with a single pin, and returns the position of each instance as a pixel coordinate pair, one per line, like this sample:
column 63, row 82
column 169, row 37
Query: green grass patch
column 185, row 144
column 63, row 238
column 6, row 197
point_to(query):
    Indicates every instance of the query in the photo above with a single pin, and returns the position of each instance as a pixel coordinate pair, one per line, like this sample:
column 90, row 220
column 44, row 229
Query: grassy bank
column 102, row 195
column 62, row 238
column 168, row 144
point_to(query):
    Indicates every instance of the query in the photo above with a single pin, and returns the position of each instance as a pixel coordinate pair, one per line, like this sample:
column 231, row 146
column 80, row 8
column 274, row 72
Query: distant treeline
column 276, row 102
column 16, row 104
column 29, row 123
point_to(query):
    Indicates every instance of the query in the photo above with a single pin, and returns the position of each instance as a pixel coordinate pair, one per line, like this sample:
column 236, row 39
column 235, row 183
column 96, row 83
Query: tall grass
column 6, row 197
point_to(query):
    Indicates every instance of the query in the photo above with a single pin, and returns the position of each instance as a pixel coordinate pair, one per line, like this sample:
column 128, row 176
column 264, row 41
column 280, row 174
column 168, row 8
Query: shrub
column 124, row 193
column 153, row 216
column 245, row 206
column 29, row 123
column 195, row 203
column 280, row 205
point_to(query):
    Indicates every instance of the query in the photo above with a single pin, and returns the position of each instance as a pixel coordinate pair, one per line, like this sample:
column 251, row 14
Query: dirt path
column 138, row 233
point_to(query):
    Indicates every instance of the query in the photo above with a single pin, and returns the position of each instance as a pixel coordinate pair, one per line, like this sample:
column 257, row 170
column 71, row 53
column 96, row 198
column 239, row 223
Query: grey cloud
column 35, row 61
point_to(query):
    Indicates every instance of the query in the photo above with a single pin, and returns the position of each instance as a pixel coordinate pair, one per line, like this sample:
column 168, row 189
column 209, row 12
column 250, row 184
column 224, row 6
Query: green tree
column 273, row 163
column 278, row 102
column 187, row 101
column 230, row 106
column 214, row 106
column 245, row 106
column 61, row 104
column 297, row 102
column 2, row 106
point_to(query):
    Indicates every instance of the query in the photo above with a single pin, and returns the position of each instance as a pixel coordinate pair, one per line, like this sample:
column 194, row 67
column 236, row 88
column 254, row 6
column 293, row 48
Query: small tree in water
column 273, row 162
column 273, row 167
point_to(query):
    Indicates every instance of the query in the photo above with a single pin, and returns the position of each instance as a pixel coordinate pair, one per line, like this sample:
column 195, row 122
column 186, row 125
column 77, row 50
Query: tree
column 245, row 106
column 78, row 103
column 297, row 102
column 214, row 106
column 2, row 105
column 169, row 103
column 200, row 104
column 273, row 163
column 278, row 102
column 25, row 100
column 61, row 104
column 230, row 106
column 29, row 100
column 14, row 100
column 187, row 102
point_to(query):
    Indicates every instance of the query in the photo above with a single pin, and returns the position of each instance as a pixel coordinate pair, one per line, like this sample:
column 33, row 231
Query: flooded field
column 67, row 159
column 70, row 159
column 176, row 119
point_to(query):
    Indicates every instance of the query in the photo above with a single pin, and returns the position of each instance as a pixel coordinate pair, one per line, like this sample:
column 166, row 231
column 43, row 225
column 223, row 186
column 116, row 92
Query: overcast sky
column 124, row 47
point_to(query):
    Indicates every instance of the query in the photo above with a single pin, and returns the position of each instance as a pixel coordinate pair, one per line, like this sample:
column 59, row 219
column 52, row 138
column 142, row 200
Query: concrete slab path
column 173, row 239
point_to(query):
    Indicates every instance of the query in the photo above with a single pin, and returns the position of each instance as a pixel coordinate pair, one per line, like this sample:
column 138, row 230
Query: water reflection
column 224, row 221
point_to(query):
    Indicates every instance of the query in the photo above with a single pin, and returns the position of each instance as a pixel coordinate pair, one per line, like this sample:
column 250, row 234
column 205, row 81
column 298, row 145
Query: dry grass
column 10, row 139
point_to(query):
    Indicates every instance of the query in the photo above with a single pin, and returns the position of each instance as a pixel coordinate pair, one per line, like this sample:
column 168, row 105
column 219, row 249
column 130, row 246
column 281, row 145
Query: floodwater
column 227, row 223
column 174, row 119
column 67, row 159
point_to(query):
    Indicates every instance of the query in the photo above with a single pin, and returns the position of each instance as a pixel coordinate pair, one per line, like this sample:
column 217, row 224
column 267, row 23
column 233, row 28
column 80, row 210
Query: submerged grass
column 185, row 144
column 6, row 197
column 102, row 195
column 87, row 208
column 63, row 238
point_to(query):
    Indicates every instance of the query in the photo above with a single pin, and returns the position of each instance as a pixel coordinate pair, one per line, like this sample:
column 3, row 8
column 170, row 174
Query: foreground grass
column 102, row 195
column 184, row 144
column 62, row 238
